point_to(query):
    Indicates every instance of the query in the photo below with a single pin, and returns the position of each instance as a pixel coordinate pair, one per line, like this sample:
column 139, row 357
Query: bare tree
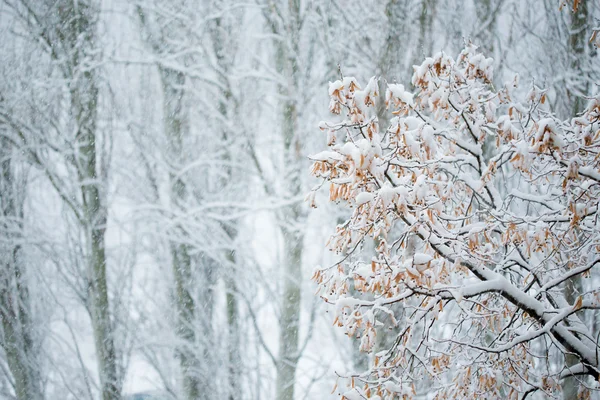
column 67, row 33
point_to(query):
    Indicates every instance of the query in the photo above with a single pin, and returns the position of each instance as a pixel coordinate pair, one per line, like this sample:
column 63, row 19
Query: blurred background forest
column 154, row 237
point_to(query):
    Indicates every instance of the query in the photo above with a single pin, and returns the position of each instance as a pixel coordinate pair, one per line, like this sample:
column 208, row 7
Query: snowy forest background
column 154, row 236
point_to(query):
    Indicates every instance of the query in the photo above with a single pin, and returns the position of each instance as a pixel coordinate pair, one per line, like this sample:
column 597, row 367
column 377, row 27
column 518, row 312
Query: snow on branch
column 480, row 209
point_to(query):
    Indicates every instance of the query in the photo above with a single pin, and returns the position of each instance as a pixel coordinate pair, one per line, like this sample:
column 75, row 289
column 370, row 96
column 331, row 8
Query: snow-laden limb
column 482, row 209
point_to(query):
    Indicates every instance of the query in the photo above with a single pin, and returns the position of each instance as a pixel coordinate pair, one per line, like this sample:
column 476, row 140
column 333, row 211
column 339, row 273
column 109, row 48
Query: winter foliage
column 483, row 210
column 154, row 161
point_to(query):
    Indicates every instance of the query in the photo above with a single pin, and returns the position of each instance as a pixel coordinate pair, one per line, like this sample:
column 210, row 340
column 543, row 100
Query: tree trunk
column 487, row 13
column 389, row 65
column 84, row 98
column 233, row 334
column 578, row 40
column 194, row 275
column 174, row 121
column 425, row 43
column 392, row 68
column 15, row 310
column 290, row 314
column 186, row 310
column 220, row 33
column 577, row 43
column 287, row 65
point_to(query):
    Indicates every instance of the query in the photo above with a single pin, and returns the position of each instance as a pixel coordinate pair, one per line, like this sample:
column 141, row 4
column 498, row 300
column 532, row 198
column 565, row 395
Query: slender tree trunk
column 425, row 43
column 84, row 99
column 194, row 275
column 487, row 13
column 186, row 310
column 290, row 314
column 293, row 238
column 185, row 303
column 233, row 334
column 389, row 65
column 206, row 338
column 392, row 67
column 15, row 311
column 577, row 43
column 220, row 35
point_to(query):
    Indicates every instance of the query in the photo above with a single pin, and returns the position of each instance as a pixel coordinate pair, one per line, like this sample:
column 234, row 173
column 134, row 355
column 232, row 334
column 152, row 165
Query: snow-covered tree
column 18, row 331
column 63, row 138
column 200, row 215
column 495, row 240
column 153, row 164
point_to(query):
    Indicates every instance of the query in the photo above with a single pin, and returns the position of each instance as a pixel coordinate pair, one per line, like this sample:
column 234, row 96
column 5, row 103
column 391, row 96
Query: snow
column 387, row 194
column 327, row 156
column 348, row 81
column 397, row 91
column 590, row 172
column 335, row 86
column 364, row 197
column 352, row 395
column 548, row 131
column 203, row 120
column 422, row 258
